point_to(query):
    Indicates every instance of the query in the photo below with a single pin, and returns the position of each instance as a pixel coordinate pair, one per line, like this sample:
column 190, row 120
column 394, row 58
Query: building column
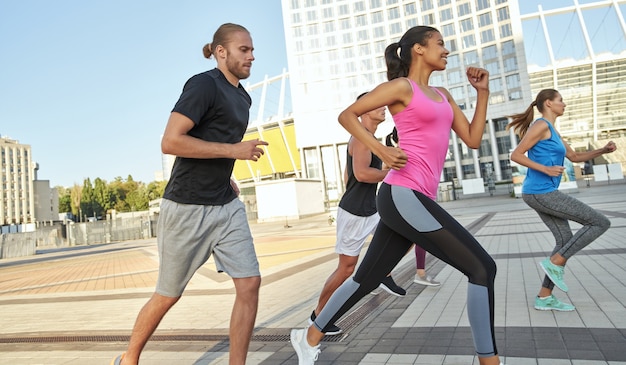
column 494, row 150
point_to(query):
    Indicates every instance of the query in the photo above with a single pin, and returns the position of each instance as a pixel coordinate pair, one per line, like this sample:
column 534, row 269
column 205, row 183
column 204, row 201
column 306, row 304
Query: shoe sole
column 426, row 284
column 330, row 333
column 390, row 291
column 564, row 289
column 294, row 341
column 554, row 309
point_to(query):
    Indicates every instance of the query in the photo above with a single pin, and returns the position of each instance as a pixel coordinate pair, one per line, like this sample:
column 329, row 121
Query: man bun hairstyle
column 222, row 37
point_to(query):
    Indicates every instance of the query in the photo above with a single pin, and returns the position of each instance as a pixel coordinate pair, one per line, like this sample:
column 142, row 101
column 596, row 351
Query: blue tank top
column 548, row 152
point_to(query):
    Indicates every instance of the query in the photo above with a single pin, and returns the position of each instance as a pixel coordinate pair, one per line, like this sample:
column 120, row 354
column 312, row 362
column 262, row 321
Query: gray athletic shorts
column 352, row 230
column 188, row 234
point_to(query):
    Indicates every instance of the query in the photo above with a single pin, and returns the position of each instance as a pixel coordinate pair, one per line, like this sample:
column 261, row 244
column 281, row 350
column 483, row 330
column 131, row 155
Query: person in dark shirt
column 200, row 213
column 357, row 216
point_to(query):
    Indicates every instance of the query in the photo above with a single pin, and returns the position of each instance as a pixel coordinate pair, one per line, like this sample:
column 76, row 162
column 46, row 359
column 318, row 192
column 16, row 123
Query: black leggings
column 408, row 216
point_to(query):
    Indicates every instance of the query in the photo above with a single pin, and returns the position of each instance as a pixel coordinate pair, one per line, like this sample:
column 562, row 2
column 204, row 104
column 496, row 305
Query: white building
column 17, row 201
column 335, row 52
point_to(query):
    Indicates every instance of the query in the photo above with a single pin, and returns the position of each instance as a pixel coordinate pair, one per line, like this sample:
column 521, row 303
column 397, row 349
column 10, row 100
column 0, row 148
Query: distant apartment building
column 17, row 197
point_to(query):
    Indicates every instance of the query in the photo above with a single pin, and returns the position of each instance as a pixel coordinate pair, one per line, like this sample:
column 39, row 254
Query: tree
column 87, row 200
column 76, row 193
column 103, row 197
column 65, row 199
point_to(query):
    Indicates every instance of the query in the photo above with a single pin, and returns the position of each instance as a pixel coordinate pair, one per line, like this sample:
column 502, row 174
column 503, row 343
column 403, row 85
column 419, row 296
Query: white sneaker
column 307, row 354
column 425, row 280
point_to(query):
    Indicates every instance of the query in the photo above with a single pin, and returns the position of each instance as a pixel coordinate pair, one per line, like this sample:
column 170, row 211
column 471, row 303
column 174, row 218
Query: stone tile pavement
column 77, row 305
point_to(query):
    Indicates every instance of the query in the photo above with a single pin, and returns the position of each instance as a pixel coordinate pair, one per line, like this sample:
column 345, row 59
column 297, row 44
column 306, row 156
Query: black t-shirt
column 220, row 112
column 360, row 198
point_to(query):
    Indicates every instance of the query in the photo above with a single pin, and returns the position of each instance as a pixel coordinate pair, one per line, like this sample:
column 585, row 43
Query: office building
column 17, row 200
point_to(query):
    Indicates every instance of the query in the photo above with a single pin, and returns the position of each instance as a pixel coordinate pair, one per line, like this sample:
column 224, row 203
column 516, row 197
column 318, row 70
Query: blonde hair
column 222, row 37
column 521, row 122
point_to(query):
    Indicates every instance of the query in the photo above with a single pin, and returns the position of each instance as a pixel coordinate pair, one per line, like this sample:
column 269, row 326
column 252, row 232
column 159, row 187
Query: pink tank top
column 423, row 134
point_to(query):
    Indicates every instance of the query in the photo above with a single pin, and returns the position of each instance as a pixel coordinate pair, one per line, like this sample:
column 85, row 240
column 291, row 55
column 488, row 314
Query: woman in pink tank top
column 424, row 116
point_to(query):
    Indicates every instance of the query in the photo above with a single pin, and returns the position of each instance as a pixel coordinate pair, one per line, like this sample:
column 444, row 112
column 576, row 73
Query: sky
column 89, row 85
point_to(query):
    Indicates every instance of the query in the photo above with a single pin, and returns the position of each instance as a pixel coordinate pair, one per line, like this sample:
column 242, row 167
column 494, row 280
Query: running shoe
column 307, row 354
column 554, row 272
column 391, row 287
column 332, row 329
column 118, row 359
column 425, row 280
column 551, row 303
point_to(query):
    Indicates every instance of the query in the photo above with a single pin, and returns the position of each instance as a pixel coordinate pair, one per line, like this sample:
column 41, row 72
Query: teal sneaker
column 551, row 303
column 555, row 273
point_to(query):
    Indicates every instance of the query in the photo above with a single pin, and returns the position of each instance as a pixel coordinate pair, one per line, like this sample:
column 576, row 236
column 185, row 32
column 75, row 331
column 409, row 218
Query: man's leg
column 344, row 270
column 147, row 321
column 243, row 317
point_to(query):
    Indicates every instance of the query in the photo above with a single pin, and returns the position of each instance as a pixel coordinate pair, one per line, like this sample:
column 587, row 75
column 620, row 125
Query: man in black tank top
column 357, row 216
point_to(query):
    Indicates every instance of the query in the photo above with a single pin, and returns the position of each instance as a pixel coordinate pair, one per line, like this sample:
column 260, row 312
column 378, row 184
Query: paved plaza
column 77, row 305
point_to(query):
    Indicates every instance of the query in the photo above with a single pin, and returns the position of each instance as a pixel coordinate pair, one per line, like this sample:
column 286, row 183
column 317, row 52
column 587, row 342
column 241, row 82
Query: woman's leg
column 423, row 221
column 556, row 209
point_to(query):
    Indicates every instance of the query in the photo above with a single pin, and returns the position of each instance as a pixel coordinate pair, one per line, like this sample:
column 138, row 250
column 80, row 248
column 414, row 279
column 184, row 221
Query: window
column 295, row 18
column 297, row 32
column 312, row 30
column 467, row 25
column 451, row 45
column 515, row 95
column 454, row 77
column 345, row 24
column 395, row 28
column 453, row 61
column 445, row 14
column 428, row 19
column 410, row 9
column 377, row 17
column 343, row 9
column 426, row 4
column 495, row 84
column 350, row 67
column 457, row 93
column 493, row 68
column 513, row 81
column 364, row 50
column 327, row 13
column 375, row 4
column 362, row 35
column 410, row 23
column 379, row 47
column 510, row 64
column 470, row 58
column 508, row 48
column 348, row 52
column 361, row 20
column 443, row 2
column 490, row 52
column 309, row 3
column 311, row 15
column 505, row 30
column 329, row 27
column 484, row 19
column 393, row 13
column 379, row 31
column 447, row 30
column 359, row 6
column 469, row 41
column 496, row 99
column 346, row 38
column 464, row 9
column 482, row 4
column 295, row 4
column 503, row 14
column 487, row 36
column 331, row 41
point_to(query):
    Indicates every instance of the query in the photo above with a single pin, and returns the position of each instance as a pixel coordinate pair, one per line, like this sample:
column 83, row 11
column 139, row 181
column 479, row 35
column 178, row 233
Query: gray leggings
column 556, row 209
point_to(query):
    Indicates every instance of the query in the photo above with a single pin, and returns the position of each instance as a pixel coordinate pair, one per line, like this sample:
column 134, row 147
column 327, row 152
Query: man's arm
column 361, row 160
column 176, row 141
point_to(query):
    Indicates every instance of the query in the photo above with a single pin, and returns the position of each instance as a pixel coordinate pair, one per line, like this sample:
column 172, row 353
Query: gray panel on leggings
column 338, row 299
column 412, row 210
column 480, row 319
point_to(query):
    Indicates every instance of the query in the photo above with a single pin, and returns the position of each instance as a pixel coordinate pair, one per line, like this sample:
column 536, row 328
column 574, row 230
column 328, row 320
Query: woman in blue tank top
column 546, row 154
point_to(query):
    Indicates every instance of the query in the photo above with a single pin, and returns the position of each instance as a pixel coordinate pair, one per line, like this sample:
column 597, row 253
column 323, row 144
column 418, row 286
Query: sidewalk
column 77, row 306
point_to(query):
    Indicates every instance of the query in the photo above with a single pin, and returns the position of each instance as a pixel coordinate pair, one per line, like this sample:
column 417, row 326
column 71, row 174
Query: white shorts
column 352, row 230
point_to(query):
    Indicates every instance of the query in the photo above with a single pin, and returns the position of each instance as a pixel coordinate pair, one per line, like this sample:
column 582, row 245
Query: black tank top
column 360, row 198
